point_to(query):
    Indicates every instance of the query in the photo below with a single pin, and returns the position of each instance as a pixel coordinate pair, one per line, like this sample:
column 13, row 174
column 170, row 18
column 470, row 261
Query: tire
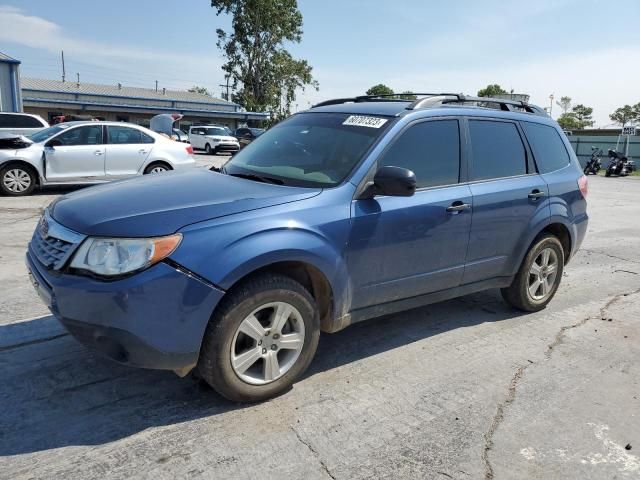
column 607, row 173
column 259, row 299
column 207, row 149
column 587, row 170
column 157, row 167
column 17, row 180
column 523, row 293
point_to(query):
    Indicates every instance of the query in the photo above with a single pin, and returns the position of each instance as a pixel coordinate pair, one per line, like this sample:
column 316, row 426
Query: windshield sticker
column 364, row 121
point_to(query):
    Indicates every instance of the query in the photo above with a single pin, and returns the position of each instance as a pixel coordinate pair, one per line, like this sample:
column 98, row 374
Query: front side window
column 87, row 135
column 548, row 148
column 310, row 149
column 431, row 150
column 497, row 150
column 123, row 135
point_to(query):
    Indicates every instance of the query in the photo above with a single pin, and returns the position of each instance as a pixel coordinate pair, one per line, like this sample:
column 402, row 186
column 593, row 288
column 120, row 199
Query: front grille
column 52, row 252
column 52, row 244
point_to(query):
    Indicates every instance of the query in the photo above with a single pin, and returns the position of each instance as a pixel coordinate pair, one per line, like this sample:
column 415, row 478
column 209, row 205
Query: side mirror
column 54, row 143
column 391, row 181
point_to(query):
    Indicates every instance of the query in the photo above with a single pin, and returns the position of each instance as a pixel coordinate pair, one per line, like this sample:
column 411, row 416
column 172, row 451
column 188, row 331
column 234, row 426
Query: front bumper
column 227, row 147
column 153, row 319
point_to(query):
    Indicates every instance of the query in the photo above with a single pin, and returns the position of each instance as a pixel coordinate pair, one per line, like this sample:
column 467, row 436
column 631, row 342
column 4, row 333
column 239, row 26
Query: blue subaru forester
column 356, row 208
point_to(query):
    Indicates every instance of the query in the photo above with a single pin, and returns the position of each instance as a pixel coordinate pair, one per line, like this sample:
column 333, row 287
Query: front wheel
column 539, row 276
column 17, row 180
column 207, row 149
column 260, row 339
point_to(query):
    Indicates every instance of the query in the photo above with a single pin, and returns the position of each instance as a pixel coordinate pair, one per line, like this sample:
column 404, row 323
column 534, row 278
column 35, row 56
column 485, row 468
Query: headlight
column 117, row 256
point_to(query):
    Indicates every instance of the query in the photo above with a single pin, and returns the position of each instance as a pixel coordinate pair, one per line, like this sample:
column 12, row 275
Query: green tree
column 407, row 95
column 491, row 91
column 263, row 73
column 200, row 90
column 564, row 104
column 626, row 114
column 380, row 89
column 568, row 121
column 583, row 115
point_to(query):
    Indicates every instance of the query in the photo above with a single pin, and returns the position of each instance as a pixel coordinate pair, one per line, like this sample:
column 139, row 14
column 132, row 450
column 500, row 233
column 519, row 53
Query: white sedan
column 85, row 153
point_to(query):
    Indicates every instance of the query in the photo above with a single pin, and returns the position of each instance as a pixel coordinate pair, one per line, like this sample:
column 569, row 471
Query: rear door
column 509, row 196
column 401, row 247
column 196, row 137
column 127, row 150
column 76, row 154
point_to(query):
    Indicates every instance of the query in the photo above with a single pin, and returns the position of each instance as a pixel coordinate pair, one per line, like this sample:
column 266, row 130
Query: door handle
column 457, row 207
column 98, row 152
column 535, row 194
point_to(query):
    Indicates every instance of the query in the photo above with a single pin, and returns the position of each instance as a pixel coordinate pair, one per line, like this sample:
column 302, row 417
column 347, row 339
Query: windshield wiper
column 257, row 178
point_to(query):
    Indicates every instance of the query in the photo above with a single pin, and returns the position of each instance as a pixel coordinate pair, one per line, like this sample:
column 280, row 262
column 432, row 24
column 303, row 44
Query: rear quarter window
column 497, row 150
column 548, row 148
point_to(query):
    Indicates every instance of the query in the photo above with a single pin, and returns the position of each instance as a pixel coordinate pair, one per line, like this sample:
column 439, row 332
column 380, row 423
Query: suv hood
column 161, row 204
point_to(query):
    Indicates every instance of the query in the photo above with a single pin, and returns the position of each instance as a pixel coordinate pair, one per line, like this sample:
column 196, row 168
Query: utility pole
column 63, row 72
column 78, row 75
column 550, row 104
column 226, row 86
column 156, row 85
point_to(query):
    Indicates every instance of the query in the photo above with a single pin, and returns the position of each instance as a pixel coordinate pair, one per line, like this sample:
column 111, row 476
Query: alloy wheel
column 16, row 180
column 542, row 274
column 158, row 169
column 267, row 343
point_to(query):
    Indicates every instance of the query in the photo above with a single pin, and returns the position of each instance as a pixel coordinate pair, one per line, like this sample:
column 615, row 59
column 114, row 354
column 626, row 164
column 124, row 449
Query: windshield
column 257, row 131
column 309, row 149
column 43, row 135
column 215, row 131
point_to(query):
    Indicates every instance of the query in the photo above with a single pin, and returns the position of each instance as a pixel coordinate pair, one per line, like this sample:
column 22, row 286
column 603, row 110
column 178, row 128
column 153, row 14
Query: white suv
column 21, row 123
column 213, row 139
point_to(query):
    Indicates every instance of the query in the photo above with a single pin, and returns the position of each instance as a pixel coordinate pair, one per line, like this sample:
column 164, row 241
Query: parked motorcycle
column 593, row 165
column 619, row 164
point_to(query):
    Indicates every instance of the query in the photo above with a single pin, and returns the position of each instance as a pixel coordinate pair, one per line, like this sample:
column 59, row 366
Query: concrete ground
column 464, row 389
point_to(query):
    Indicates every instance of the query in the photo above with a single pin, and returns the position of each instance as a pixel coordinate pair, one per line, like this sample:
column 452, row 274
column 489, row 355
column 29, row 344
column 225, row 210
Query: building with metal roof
column 10, row 100
column 52, row 98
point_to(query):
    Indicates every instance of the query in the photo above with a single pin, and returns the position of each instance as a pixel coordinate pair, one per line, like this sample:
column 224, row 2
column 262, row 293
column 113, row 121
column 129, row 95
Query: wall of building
column 9, row 88
column 582, row 145
column 48, row 113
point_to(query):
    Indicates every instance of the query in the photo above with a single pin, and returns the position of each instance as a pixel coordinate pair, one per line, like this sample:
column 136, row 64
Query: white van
column 21, row 123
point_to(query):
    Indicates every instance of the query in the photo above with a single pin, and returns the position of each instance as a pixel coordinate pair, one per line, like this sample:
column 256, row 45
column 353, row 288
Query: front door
column 400, row 247
column 76, row 154
column 127, row 150
column 508, row 196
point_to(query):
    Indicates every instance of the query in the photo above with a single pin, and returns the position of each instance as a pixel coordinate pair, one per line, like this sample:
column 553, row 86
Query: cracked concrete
column 464, row 389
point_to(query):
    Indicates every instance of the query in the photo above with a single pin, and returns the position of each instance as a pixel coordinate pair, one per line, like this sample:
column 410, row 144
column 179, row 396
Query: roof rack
column 430, row 100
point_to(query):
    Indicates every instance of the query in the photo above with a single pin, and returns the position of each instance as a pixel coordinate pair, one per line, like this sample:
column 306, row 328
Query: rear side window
column 9, row 120
column 124, row 135
column 548, row 148
column 431, row 150
column 497, row 150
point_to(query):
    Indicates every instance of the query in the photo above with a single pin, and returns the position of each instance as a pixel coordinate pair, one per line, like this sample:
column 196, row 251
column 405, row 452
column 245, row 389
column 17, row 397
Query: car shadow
column 56, row 393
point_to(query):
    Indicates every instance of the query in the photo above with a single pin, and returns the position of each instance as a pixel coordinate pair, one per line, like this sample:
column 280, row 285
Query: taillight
column 189, row 150
column 583, row 184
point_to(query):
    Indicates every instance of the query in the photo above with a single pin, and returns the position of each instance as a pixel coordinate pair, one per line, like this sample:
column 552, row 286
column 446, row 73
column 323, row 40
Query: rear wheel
column 207, row 149
column 157, row 167
column 17, row 180
column 261, row 339
column 539, row 276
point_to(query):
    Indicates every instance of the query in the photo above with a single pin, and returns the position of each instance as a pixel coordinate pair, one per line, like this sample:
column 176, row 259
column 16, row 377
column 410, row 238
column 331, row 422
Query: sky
column 588, row 50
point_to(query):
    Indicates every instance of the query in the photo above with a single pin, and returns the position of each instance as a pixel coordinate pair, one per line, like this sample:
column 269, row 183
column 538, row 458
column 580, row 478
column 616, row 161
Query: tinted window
column 548, row 148
column 497, row 150
column 148, row 138
column 124, row 135
column 88, row 135
column 9, row 120
column 431, row 150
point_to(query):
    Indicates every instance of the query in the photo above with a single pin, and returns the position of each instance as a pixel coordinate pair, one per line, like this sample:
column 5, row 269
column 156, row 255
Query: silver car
column 86, row 153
